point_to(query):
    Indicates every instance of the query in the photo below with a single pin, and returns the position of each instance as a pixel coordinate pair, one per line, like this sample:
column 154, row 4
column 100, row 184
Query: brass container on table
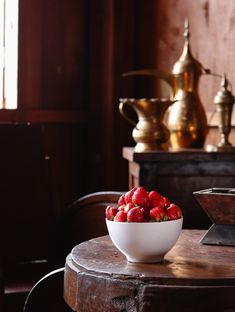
column 150, row 133
column 223, row 101
column 186, row 120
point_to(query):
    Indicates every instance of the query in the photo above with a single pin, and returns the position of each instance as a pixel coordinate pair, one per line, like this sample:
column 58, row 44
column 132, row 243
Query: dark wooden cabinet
column 178, row 174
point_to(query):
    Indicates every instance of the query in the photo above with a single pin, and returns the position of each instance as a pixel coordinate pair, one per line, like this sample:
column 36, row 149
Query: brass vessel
column 223, row 101
column 186, row 120
column 150, row 133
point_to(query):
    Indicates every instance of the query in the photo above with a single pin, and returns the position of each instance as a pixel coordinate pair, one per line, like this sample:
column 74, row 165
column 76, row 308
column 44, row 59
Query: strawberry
column 128, row 195
column 156, row 199
column 121, row 200
column 135, row 215
column 111, row 212
column 121, row 216
column 145, row 212
column 158, row 213
column 121, row 208
column 166, row 201
column 128, row 207
column 174, row 212
column 140, row 197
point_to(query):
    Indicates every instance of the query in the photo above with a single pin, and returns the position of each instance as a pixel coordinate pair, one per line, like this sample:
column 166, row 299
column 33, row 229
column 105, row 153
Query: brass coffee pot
column 150, row 133
column 186, row 120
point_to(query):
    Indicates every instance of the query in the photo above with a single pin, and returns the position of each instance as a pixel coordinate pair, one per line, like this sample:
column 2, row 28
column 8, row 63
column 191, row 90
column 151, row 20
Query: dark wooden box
column 219, row 204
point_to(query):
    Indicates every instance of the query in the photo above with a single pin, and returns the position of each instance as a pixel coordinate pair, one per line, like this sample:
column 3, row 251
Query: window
column 8, row 53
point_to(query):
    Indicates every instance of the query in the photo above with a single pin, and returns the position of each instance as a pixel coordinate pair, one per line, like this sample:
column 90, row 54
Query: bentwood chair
column 47, row 294
column 83, row 220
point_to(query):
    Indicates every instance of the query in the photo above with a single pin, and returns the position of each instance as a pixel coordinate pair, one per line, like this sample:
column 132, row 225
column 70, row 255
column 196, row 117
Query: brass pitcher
column 150, row 133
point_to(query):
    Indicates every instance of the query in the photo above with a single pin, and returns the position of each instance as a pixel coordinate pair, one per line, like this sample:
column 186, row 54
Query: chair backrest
column 83, row 220
column 47, row 294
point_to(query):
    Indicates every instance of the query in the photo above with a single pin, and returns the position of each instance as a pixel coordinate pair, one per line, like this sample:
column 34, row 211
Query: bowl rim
column 151, row 222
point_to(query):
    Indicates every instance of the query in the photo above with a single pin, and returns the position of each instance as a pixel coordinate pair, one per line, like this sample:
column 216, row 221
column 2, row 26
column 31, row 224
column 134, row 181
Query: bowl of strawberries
column 144, row 225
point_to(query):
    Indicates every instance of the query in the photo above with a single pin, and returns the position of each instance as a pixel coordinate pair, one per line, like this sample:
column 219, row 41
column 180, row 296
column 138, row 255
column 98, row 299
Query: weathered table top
column 98, row 275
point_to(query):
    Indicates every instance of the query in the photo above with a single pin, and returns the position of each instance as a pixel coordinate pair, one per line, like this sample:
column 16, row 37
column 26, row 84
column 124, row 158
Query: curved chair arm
column 47, row 294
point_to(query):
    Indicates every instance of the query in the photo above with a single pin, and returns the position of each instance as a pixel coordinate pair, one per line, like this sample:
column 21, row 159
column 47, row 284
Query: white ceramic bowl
column 146, row 242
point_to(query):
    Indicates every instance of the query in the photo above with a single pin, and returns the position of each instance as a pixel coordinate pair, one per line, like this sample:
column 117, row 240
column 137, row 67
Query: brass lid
column 224, row 96
column 186, row 62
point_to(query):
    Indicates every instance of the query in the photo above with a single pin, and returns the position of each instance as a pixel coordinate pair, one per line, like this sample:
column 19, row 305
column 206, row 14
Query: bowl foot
column 149, row 260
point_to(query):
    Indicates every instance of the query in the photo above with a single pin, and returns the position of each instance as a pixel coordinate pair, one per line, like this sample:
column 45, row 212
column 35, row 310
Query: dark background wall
column 66, row 137
column 71, row 58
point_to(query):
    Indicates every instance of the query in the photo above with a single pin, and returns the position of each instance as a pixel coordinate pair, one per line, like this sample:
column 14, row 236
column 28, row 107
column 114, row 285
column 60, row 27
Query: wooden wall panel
column 212, row 39
column 66, row 145
column 26, row 203
column 72, row 56
column 64, row 50
column 52, row 54
column 212, row 42
column 121, row 37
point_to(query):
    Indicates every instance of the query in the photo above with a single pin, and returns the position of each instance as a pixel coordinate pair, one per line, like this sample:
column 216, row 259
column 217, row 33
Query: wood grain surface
column 98, row 276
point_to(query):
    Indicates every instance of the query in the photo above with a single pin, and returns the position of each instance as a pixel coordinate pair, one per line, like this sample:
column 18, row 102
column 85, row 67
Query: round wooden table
column 193, row 277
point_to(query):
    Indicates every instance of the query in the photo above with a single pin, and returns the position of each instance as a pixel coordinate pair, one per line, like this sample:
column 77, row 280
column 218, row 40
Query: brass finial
column 186, row 30
column 186, row 62
column 224, row 82
column 224, row 96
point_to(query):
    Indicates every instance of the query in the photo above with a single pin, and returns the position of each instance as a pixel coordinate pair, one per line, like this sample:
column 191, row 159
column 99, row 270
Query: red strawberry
column 128, row 195
column 145, row 212
column 111, row 212
column 140, row 197
column 128, row 207
column 121, row 200
column 156, row 199
column 158, row 213
column 122, row 207
column 121, row 216
column 135, row 215
column 167, row 202
column 174, row 212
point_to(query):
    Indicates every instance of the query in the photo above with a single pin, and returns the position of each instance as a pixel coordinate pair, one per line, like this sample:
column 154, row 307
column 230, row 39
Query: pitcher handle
column 122, row 105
